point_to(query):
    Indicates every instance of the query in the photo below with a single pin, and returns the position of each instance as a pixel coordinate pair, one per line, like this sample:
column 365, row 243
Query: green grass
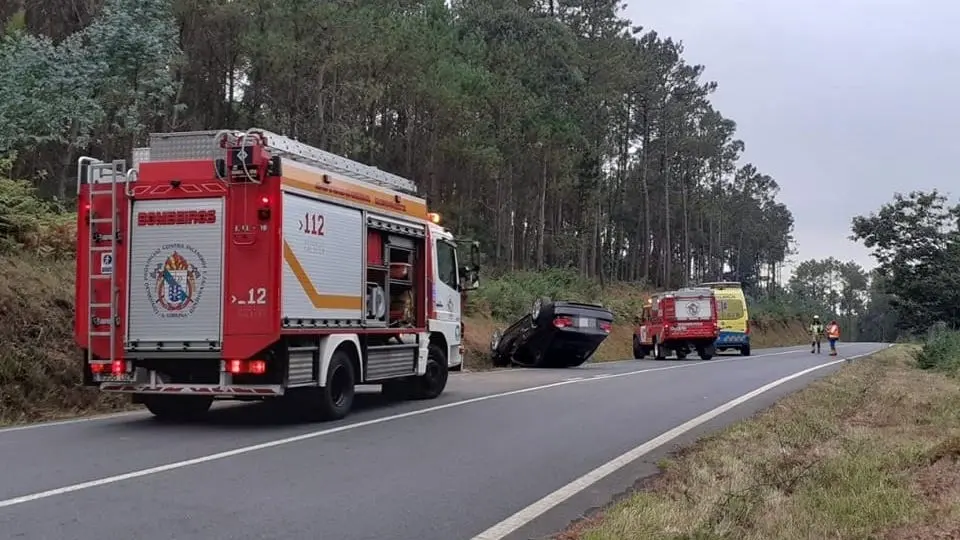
column 941, row 351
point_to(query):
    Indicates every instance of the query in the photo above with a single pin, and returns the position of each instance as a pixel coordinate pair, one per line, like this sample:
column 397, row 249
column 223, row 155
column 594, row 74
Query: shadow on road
column 266, row 414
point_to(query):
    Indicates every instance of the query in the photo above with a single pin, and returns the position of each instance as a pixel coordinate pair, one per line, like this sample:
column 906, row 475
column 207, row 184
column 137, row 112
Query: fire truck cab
column 250, row 266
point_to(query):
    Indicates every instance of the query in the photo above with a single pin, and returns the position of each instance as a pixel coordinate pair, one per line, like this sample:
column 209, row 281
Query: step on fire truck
column 250, row 266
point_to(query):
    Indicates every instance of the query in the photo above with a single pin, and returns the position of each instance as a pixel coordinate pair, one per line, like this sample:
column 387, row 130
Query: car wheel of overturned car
column 177, row 408
column 537, row 308
column 498, row 360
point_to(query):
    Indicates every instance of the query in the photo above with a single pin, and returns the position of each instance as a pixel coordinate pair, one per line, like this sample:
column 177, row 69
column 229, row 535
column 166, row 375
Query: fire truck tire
column 177, row 408
column 336, row 398
column 706, row 353
column 682, row 354
column 638, row 351
column 428, row 386
column 432, row 383
column 658, row 353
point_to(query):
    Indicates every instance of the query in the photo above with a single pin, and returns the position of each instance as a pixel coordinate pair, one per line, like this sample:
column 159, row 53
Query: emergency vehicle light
column 264, row 212
column 434, row 217
column 251, row 367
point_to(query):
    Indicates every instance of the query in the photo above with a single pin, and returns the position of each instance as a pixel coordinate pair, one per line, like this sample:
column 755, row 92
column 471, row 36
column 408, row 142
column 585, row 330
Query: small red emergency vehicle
column 678, row 321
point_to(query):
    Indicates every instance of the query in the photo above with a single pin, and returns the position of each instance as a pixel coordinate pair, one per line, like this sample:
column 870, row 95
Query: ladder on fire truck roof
column 103, row 179
column 205, row 145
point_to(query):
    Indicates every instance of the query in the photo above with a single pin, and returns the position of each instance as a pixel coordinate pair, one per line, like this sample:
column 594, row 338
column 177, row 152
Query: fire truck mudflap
column 176, row 274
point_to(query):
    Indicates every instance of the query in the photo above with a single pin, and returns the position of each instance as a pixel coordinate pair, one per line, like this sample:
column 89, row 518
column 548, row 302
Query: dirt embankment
column 39, row 364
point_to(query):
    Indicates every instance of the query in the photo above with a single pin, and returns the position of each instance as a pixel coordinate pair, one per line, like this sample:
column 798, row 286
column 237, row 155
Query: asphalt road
column 445, row 469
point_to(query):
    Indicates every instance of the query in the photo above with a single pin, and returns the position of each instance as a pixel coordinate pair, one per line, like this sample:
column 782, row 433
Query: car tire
column 706, row 353
column 537, row 308
column 745, row 350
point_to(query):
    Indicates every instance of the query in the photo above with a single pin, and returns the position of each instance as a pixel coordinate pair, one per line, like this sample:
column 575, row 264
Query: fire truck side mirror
column 469, row 278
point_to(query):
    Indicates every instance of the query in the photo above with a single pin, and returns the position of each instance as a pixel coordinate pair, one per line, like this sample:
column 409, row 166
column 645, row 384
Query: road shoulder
column 868, row 451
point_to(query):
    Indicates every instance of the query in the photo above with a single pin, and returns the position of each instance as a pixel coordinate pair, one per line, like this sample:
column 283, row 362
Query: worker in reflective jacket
column 833, row 334
column 816, row 334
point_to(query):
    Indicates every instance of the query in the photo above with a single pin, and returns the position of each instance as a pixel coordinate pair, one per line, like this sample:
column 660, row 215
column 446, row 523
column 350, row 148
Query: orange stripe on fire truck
column 319, row 301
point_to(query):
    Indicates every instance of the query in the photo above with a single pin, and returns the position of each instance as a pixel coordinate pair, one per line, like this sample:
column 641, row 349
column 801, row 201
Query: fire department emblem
column 693, row 309
column 175, row 276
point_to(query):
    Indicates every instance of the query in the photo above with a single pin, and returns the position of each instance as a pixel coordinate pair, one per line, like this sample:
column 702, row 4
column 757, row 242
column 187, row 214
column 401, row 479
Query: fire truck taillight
column 264, row 212
column 118, row 367
column 246, row 367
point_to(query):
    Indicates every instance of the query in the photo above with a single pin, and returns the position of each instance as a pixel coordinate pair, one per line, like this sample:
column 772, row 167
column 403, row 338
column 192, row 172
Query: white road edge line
column 109, row 416
column 511, row 524
column 314, row 434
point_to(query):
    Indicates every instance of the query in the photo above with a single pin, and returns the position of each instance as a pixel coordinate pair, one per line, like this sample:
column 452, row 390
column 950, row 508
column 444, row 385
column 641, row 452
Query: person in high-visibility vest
column 833, row 334
column 816, row 334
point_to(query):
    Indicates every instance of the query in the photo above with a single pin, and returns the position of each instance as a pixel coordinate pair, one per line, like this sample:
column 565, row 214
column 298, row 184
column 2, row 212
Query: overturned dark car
column 553, row 335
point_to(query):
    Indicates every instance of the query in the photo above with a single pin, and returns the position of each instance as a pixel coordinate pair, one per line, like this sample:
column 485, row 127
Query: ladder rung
column 99, row 334
column 101, row 276
column 102, row 220
column 102, row 248
column 100, row 305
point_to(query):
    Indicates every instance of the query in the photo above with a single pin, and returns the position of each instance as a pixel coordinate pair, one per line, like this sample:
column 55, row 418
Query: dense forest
column 555, row 132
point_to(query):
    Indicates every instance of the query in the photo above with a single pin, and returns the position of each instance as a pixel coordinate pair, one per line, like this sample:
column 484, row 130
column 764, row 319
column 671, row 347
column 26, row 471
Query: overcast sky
column 844, row 102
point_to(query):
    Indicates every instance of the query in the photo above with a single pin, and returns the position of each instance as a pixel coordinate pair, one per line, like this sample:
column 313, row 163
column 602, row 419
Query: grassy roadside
column 869, row 452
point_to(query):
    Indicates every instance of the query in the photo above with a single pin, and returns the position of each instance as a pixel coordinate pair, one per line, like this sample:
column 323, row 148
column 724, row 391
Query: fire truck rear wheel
column 658, row 352
column 177, row 407
column 336, row 398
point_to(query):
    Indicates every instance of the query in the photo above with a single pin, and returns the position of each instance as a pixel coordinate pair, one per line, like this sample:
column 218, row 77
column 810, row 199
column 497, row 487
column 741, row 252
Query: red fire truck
column 680, row 321
column 247, row 265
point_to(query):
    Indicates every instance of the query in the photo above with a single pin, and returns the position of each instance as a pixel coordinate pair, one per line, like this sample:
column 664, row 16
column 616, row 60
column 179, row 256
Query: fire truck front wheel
column 177, row 407
column 432, row 383
column 427, row 386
